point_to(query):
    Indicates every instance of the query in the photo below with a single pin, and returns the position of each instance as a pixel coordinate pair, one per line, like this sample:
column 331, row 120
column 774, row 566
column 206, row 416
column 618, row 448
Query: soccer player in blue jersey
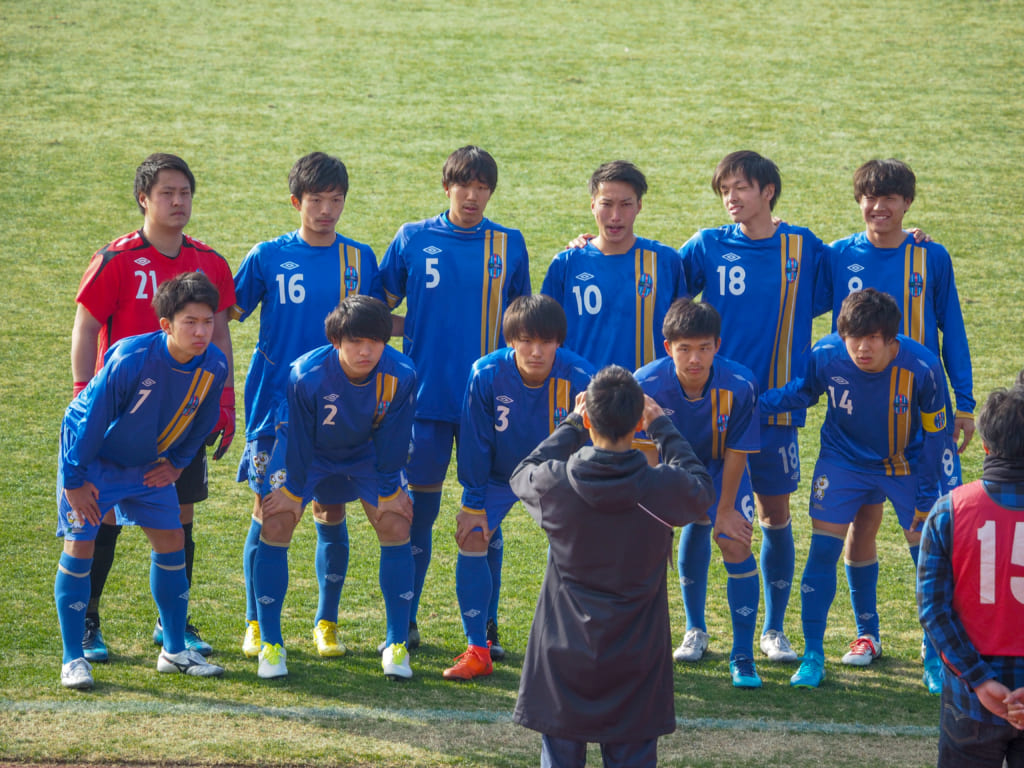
column 920, row 277
column 296, row 280
column 515, row 398
column 883, row 436
column 767, row 273
column 713, row 403
column 344, row 435
column 457, row 272
column 615, row 288
column 125, row 439
column 970, row 601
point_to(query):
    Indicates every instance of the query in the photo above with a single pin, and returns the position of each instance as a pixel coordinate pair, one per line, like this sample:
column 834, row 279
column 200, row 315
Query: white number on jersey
column 433, row 275
column 143, row 394
column 332, row 411
column 845, row 403
column 737, row 280
column 589, row 299
column 790, row 458
column 143, row 276
column 987, row 537
column 855, row 284
column 293, row 291
column 502, row 423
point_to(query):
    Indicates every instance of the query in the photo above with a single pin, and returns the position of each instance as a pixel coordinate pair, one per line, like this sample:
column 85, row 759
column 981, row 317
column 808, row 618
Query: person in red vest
column 970, row 596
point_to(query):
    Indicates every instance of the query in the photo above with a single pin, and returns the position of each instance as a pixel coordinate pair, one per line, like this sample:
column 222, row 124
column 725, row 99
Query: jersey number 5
column 987, row 537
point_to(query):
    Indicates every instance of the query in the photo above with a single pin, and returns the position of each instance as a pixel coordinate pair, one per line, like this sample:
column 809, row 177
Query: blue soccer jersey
column 885, row 423
column 767, row 292
column 296, row 285
column 457, row 284
column 503, row 419
column 920, row 278
column 615, row 305
column 142, row 406
column 337, row 427
column 724, row 417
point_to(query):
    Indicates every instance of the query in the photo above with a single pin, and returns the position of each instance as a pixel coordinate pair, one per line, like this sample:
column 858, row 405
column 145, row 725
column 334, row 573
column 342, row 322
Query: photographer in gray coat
column 598, row 664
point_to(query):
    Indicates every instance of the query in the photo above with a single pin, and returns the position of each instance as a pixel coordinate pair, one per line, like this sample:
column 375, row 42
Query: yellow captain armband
column 933, row 422
column 964, row 415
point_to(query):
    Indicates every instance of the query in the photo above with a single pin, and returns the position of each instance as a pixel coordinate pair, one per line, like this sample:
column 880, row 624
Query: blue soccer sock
column 495, row 556
column 473, row 589
column 426, row 505
column 169, row 585
column 252, row 541
column 396, row 577
column 71, row 594
column 818, row 589
column 693, row 561
column 863, row 581
column 271, row 586
column 744, row 593
column 331, row 567
column 928, row 651
column 778, row 561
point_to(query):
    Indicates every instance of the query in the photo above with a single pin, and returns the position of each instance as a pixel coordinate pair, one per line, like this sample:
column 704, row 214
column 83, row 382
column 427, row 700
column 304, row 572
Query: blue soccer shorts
column 838, row 492
column 431, row 453
column 775, row 470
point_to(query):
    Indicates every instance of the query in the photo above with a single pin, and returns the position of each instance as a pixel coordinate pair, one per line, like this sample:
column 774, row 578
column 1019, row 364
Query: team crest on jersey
column 494, row 265
column 560, row 414
column 278, row 478
column 259, row 465
column 191, row 407
column 722, row 422
column 644, row 285
column 900, row 404
column 792, row 270
column 351, row 279
column 940, row 421
column 72, row 521
column 916, row 284
column 382, row 408
column 820, row 486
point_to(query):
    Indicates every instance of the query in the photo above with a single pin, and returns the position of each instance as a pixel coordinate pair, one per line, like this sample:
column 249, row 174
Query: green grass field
column 552, row 89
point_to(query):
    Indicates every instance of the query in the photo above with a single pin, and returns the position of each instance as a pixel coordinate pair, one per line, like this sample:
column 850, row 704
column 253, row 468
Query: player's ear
column 165, row 325
column 668, row 347
column 586, row 420
column 718, row 344
column 296, row 203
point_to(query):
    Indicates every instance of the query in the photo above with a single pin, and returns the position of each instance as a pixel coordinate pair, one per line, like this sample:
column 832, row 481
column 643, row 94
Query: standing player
column 115, row 299
column 882, row 437
column 457, row 271
column 515, row 398
column 296, row 280
column 713, row 403
column 616, row 288
column 345, row 435
column 771, row 274
column 125, row 439
column 970, row 601
column 920, row 277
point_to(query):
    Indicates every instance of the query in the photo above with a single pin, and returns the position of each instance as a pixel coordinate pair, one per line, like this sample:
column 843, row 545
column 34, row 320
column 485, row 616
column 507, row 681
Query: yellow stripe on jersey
column 782, row 353
column 913, row 306
column 348, row 256
column 901, row 389
column 721, row 405
column 645, row 263
column 197, row 391
column 496, row 248
column 387, row 385
column 558, row 398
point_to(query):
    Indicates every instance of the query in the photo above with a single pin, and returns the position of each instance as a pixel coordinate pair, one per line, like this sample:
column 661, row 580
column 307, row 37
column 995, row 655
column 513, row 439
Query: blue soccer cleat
column 811, row 671
column 93, row 647
column 744, row 673
column 193, row 642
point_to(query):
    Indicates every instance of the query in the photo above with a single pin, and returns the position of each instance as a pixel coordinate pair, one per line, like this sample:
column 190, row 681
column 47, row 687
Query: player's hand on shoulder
column 163, row 473
column 580, row 241
column 920, row 236
column 83, row 502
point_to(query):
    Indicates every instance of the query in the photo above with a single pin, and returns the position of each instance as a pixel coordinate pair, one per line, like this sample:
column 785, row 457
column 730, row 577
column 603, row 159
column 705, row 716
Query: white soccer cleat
column 77, row 673
column 187, row 662
column 863, row 651
column 272, row 662
column 695, row 642
column 395, row 662
column 776, row 647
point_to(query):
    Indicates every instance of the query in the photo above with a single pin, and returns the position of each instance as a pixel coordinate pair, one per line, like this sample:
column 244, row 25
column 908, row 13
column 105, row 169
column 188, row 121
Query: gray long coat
column 598, row 663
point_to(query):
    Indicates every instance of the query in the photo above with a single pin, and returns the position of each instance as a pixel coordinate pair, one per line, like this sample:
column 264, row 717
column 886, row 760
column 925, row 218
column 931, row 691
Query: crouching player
column 345, row 436
column 124, row 441
column 713, row 403
column 883, row 435
column 969, row 601
column 515, row 398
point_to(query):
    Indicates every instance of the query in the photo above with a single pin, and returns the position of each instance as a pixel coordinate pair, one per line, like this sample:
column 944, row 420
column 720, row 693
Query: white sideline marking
column 444, row 715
